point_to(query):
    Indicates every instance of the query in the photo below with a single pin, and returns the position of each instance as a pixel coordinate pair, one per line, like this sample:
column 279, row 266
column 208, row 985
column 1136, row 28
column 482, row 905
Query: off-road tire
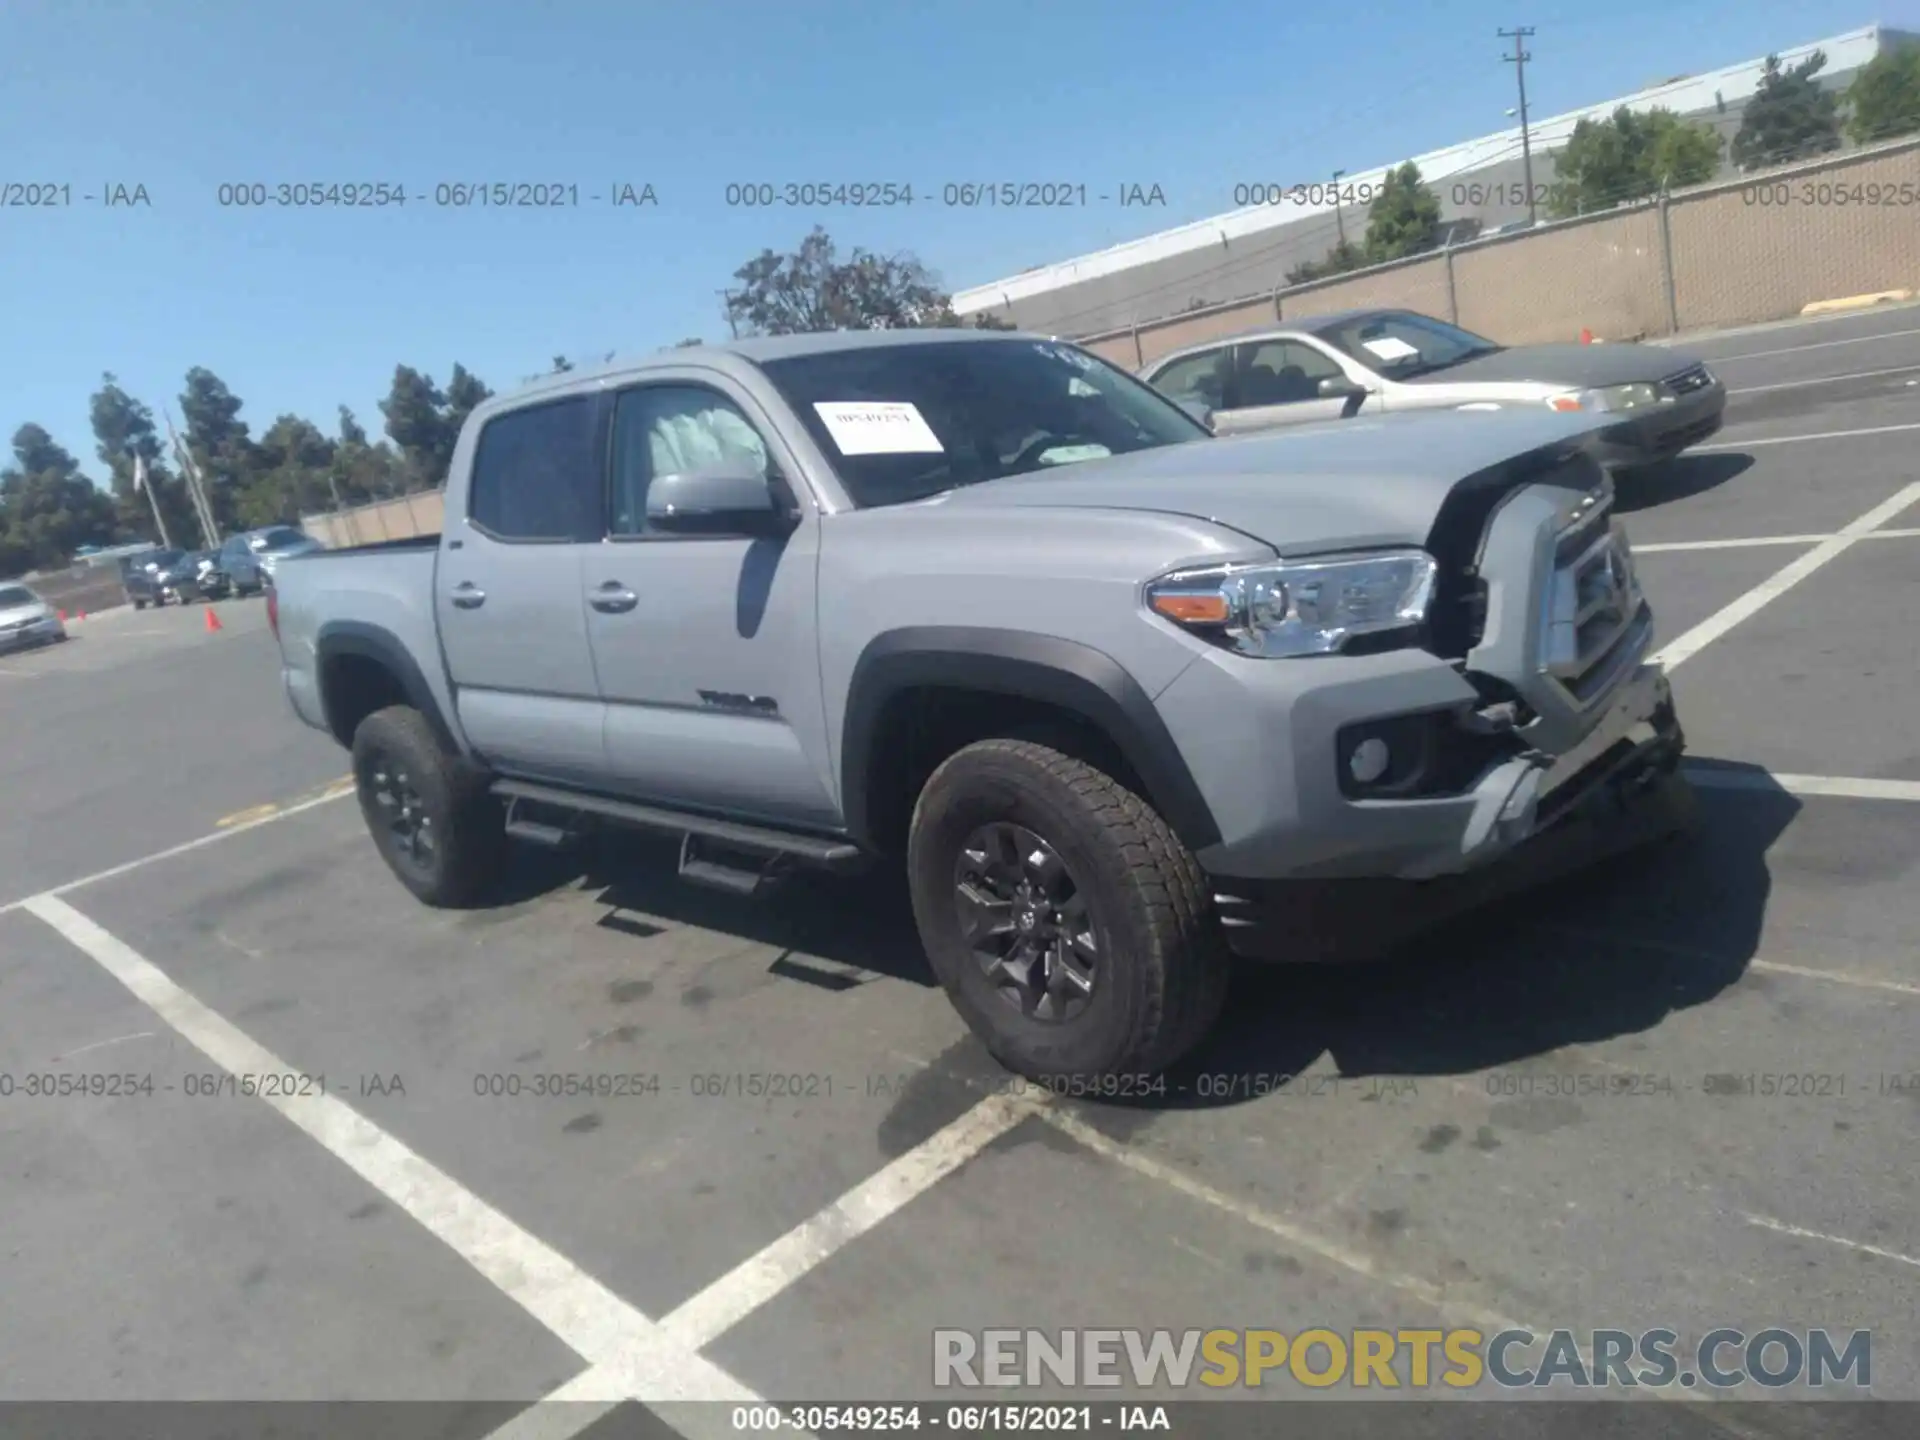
column 1164, row 965
column 470, row 844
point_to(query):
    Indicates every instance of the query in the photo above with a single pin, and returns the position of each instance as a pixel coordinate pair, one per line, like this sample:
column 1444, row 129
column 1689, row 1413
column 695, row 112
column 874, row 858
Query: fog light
column 1369, row 760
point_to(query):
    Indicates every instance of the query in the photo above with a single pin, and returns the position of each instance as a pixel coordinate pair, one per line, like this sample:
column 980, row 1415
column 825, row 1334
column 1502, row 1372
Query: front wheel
column 1072, row 929
column 440, row 832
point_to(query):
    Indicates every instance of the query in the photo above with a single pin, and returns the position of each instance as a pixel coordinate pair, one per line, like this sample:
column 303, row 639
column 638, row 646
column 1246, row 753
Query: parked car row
column 1364, row 362
column 241, row 565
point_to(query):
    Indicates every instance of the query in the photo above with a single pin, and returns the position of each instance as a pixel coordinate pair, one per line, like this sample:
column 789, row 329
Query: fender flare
column 1077, row 678
column 356, row 637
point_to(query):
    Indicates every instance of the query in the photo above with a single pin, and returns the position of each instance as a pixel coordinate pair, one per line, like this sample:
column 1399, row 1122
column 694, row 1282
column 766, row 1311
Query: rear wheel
column 1071, row 928
column 440, row 832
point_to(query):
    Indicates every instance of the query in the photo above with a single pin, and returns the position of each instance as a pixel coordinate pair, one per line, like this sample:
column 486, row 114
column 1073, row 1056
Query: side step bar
column 814, row 850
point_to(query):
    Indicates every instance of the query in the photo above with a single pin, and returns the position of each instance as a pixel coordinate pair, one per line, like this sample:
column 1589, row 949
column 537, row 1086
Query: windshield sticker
column 1390, row 347
column 878, row 427
column 1067, row 355
column 1068, row 454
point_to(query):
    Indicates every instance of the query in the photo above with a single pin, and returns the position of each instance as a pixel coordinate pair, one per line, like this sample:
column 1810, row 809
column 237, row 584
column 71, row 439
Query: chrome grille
column 1593, row 615
column 1685, row 382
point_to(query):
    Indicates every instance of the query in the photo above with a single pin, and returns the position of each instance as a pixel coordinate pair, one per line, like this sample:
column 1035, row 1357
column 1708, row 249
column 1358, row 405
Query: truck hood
column 1575, row 366
column 1344, row 484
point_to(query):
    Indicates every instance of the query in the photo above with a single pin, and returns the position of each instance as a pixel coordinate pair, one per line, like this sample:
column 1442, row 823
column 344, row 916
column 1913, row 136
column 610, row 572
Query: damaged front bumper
column 1531, row 819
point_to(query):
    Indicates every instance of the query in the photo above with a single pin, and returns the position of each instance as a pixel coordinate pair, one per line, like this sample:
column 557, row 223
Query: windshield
column 163, row 559
column 12, row 595
column 280, row 539
column 902, row 422
column 1400, row 344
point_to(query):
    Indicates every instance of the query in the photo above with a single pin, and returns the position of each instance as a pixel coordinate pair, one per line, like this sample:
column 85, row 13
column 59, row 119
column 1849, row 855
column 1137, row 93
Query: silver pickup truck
column 1112, row 688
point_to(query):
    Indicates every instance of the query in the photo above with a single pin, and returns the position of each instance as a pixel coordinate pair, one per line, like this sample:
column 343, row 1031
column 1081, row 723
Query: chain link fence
column 1758, row 248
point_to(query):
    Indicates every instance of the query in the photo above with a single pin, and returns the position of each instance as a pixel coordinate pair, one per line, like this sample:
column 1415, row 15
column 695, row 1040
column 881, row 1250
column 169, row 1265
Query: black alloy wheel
column 1025, row 918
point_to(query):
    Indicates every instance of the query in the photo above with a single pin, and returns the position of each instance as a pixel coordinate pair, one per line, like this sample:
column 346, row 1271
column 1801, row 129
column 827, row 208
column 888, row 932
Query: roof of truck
column 781, row 347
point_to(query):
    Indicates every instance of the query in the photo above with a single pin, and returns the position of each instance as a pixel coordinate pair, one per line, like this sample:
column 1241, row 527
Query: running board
column 814, row 850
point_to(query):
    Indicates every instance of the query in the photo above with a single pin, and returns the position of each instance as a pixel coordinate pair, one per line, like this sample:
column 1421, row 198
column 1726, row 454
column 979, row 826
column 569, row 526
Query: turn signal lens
column 1193, row 609
column 1564, row 402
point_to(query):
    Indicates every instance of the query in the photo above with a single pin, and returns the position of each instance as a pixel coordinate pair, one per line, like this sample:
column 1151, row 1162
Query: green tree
column 1789, row 117
column 293, row 463
column 1403, row 217
column 415, row 410
column 465, row 393
column 124, row 429
column 1884, row 99
column 48, row 509
column 690, row 341
column 1628, row 157
column 362, row 471
column 813, row 289
column 1343, row 257
column 219, row 442
column 561, row 364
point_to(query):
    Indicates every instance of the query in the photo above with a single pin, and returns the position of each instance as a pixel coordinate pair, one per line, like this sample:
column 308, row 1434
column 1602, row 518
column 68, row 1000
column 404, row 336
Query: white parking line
column 113, row 872
column 1844, row 787
column 1802, row 439
column 1823, row 380
column 1694, row 952
column 700, row 1321
column 1721, row 621
column 584, row 1314
column 1816, row 345
column 1780, row 1227
column 1661, row 547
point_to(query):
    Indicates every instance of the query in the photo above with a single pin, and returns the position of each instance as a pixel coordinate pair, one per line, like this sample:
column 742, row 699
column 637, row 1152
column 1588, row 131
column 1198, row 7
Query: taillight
column 273, row 612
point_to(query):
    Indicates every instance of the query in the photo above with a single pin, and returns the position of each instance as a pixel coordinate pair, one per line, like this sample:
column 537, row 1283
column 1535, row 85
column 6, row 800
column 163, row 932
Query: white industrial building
column 1248, row 252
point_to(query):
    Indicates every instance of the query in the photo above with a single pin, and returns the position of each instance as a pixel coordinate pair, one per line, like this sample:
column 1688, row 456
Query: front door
column 508, row 593
column 1277, row 382
column 705, row 642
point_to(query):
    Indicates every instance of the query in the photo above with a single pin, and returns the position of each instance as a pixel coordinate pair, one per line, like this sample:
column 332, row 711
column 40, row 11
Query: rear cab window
column 537, row 474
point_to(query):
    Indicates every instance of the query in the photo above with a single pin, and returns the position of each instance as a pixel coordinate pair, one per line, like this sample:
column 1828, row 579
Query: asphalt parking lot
column 1682, row 1090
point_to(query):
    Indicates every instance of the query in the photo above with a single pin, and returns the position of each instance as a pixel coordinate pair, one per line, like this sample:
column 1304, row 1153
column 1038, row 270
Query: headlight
column 1301, row 607
column 1608, row 398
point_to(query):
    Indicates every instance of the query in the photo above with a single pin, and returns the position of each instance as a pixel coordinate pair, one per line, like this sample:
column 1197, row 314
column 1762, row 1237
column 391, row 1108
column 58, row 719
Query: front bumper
column 1664, row 432
column 1530, row 823
column 25, row 637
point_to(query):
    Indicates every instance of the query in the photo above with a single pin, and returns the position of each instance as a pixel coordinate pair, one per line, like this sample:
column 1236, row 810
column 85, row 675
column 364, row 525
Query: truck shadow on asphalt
column 1605, row 953
column 1677, row 479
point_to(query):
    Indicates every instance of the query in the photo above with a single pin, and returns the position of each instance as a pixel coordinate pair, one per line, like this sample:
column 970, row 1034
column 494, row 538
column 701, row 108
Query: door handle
column 468, row 596
column 613, row 598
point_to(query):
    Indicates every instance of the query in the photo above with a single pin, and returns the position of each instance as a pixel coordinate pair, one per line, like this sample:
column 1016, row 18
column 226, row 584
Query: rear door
column 705, row 642
column 507, row 595
column 1277, row 382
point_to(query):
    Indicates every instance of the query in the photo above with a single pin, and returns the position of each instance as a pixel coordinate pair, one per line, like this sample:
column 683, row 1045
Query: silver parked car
column 248, row 560
column 1324, row 367
column 26, row 619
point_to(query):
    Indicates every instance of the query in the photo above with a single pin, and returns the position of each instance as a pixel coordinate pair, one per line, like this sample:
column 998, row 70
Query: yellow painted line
column 246, row 817
column 332, row 790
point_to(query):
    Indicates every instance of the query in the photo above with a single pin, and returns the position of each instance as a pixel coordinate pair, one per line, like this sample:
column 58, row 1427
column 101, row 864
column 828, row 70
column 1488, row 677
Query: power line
column 1519, row 60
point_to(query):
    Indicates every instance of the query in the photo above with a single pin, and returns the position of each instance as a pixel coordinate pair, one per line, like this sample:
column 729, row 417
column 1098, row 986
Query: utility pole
column 196, row 486
column 1339, row 216
column 1518, row 60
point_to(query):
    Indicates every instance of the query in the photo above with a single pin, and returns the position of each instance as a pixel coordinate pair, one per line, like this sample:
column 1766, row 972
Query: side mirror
column 1199, row 410
column 730, row 494
column 1336, row 387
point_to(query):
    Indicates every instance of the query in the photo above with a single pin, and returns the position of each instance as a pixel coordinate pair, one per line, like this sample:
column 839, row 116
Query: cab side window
column 672, row 430
column 536, row 474
column 1282, row 372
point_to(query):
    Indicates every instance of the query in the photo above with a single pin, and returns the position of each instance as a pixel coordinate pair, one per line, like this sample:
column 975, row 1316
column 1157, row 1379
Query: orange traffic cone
column 1586, row 336
column 63, row 617
column 83, row 615
column 213, row 621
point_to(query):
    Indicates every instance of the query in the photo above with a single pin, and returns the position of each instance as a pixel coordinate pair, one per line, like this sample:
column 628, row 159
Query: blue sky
column 302, row 310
